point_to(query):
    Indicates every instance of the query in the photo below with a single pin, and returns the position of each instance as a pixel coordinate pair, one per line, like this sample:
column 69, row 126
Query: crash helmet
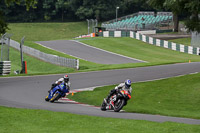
column 66, row 78
column 128, row 83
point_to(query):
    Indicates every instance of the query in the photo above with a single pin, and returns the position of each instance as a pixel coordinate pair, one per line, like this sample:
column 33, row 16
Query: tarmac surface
column 86, row 52
column 30, row 91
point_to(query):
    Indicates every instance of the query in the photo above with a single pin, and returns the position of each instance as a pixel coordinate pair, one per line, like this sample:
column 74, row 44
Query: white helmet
column 128, row 83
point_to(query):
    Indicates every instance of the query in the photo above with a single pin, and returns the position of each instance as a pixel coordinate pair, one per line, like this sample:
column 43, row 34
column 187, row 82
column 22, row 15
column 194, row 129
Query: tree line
column 66, row 10
column 102, row 10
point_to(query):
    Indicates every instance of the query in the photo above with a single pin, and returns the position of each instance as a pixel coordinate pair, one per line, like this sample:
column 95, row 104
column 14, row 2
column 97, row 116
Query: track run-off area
column 87, row 52
column 30, row 91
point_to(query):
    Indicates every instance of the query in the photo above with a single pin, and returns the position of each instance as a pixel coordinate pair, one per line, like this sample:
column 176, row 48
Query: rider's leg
column 52, row 86
column 110, row 94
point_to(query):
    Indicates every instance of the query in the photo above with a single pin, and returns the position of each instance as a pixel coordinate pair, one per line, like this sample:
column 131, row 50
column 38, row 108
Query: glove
column 53, row 85
column 117, row 90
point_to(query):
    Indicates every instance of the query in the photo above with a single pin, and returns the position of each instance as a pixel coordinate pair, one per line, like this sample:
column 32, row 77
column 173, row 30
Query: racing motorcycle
column 117, row 101
column 57, row 92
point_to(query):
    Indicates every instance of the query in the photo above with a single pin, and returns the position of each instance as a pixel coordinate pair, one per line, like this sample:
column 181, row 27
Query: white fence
column 54, row 59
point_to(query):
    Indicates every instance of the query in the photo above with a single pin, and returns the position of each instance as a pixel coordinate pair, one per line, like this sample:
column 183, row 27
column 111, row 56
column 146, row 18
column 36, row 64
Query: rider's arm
column 59, row 81
column 130, row 90
column 119, row 86
column 67, row 85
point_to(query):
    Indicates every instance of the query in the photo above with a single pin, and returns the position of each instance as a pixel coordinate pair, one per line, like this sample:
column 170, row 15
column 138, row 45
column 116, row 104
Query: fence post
column 2, row 42
column 77, row 64
column 21, row 53
column 5, row 37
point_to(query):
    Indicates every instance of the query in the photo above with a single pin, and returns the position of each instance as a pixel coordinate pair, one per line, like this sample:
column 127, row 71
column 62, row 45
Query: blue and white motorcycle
column 57, row 92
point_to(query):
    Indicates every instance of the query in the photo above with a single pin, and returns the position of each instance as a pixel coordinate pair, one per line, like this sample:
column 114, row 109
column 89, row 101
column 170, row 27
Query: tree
column 101, row 9
column 3, row 24
column 191, row 7
column 176, row 6
column 193, row 21
column 28, row 3
column 53, row 8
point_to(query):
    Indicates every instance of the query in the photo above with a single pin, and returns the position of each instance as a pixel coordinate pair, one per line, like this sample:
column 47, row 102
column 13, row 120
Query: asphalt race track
column 86, row 52
column 29, row 92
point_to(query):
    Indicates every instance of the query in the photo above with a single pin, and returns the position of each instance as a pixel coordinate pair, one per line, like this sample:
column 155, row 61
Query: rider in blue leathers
column 62, row 81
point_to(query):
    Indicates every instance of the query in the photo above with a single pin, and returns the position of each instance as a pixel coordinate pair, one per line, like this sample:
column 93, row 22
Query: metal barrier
column 5, row 67
column 5, row 44
column 54, row 59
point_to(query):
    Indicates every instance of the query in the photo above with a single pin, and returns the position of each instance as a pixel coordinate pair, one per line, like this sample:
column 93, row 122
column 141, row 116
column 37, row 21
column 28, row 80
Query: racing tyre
column 55, row 97
column 46, row 98
column 119, row 105
column 103, row 106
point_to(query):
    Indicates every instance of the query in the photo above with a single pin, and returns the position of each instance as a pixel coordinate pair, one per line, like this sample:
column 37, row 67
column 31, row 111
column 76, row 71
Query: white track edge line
column 59, row 51
column 108, row 51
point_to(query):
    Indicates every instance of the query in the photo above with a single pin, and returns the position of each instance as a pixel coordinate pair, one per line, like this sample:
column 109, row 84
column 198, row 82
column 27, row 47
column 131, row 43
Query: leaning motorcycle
column 57, row 92
column 117, row 101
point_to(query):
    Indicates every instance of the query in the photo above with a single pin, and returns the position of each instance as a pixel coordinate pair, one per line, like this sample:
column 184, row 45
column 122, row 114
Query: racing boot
column 108, row 99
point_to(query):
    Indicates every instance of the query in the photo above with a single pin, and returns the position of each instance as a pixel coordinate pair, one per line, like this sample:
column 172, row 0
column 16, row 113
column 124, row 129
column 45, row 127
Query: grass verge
column 47, row 31
column 35, row 66
column 124, row 46
column 141, row 50
column 13, row 120
column 177, row 96
column 184, row 41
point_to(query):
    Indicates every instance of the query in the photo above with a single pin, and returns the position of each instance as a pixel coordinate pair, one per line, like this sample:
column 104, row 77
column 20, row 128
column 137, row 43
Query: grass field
column 177, row 96
column 140, row 50
column 35, row 66
column 47, row 31
column 14, row 120
column 184, row 41
column 174, row 97
column 124, row 46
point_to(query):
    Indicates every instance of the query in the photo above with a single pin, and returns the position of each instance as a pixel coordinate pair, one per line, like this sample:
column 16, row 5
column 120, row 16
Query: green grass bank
column 184, row 41
column 124, row 46
column 47, row 31
column 178, row 96
column 13, row 120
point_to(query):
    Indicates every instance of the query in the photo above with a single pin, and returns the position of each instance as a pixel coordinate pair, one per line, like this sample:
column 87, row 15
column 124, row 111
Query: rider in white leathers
column 123, row 86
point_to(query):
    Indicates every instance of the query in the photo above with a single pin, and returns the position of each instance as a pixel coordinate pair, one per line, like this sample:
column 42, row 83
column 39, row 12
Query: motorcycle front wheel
column 47, row 98
column 55, row 97
column 119, row 105
column 103, row 106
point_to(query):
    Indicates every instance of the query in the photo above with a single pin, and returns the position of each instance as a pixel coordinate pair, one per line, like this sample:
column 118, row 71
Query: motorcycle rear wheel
column 55, row 97
column 119, row 105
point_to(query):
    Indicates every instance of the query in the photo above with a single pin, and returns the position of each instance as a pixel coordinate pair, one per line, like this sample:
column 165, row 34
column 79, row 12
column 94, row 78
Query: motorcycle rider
column 64, row 80
column 122, row 86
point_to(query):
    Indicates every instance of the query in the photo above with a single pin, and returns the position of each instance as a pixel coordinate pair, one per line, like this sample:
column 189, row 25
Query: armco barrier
column 5, row 67
column 54, row 59
column 154, row 41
